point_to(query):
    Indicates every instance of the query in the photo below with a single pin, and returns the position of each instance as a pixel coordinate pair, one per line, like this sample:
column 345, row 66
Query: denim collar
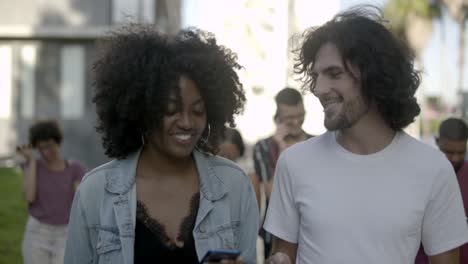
column 121, row 177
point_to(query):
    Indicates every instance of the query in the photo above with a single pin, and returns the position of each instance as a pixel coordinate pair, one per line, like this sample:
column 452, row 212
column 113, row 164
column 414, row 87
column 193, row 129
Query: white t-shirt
column 341, row 207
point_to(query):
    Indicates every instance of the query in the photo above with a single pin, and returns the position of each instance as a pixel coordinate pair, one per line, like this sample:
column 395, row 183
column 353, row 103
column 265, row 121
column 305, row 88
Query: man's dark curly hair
column 138, row 67
column 45, row 130
column 386, row 65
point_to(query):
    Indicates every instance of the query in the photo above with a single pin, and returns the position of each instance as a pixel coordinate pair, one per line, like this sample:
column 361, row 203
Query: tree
column 458, row 10
column 412, row 21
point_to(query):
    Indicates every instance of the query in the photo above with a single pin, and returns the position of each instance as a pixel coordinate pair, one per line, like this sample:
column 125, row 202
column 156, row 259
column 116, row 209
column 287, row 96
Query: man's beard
column 350, row 113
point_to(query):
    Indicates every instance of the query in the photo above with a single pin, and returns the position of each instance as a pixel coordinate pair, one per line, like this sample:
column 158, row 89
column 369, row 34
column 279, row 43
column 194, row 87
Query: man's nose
column 321, row 87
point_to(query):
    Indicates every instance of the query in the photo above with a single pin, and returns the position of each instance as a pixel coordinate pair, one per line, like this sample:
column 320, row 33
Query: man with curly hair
column 162, row 103
column 365, row 191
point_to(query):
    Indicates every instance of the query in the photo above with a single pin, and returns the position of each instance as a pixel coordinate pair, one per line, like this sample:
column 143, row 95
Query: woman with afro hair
column 162, row 103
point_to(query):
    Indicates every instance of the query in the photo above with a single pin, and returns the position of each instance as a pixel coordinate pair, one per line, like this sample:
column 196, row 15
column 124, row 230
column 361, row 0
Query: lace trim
column 158, row 229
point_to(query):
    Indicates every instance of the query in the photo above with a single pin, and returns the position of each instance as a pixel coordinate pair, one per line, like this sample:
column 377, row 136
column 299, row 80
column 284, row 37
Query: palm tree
column 412, row 21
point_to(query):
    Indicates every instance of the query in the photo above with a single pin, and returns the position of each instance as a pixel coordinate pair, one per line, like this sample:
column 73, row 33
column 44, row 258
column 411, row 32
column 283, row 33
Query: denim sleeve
column 78, row 248
column 249, row 225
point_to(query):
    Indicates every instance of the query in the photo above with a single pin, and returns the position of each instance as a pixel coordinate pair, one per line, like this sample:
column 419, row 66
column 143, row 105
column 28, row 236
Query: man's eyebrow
column 332, row 68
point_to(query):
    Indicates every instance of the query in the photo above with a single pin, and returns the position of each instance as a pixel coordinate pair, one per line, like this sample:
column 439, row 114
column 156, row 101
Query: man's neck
column 369, row 135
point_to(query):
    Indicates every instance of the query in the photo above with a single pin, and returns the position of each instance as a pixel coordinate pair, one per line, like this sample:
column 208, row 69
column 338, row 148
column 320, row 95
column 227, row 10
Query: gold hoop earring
column 205, row 140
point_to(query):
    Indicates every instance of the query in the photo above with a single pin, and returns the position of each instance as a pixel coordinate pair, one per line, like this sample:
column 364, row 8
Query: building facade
column 47, row 50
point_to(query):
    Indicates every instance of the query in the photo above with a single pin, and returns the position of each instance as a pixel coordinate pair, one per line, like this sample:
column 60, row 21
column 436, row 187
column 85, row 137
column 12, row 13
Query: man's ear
column 437, row 140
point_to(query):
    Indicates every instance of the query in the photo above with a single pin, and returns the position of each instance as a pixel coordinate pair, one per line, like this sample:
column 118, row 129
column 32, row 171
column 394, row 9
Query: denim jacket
column 102, row 222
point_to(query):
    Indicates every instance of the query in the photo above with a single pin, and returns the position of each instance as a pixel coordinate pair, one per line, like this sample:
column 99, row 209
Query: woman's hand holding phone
column 224, row 256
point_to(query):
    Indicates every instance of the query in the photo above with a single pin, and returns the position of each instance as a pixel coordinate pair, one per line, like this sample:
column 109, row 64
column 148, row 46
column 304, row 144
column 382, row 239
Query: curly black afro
column 45, row 130
column 138, row 67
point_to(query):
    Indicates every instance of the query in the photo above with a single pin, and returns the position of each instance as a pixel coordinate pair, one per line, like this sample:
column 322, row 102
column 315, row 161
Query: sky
column 440, row 56
column 441, row 60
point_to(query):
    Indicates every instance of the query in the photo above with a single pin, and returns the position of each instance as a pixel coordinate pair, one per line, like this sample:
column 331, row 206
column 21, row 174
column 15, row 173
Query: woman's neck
column 153, row 163
column 57, row 164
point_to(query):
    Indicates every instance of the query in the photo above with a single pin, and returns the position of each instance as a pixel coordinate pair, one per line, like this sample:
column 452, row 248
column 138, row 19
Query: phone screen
column 217, row 255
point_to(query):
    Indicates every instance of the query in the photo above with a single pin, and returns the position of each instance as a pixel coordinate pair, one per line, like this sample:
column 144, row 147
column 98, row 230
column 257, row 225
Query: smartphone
column 216, row 255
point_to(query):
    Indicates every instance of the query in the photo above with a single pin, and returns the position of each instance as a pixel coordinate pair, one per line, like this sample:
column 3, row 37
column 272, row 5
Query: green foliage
column 13, row 215
column 397, row 11
column 433, row 126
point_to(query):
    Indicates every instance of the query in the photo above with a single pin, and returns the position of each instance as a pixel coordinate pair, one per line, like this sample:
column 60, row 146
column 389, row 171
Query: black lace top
column 152, row 245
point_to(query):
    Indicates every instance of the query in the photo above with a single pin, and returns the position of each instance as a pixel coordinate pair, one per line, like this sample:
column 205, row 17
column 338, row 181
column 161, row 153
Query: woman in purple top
column 49, row 186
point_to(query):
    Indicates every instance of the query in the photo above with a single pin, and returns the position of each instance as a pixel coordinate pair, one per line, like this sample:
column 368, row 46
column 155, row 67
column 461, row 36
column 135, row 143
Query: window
column 135, row 11
column 72, row 88
column 28, row 80
column 5, row 81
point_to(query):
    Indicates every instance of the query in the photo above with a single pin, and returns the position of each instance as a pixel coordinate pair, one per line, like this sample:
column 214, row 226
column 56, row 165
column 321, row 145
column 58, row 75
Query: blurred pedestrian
column 49, row 184
column 232, row 145
column 289, row 118
column 452, row 139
